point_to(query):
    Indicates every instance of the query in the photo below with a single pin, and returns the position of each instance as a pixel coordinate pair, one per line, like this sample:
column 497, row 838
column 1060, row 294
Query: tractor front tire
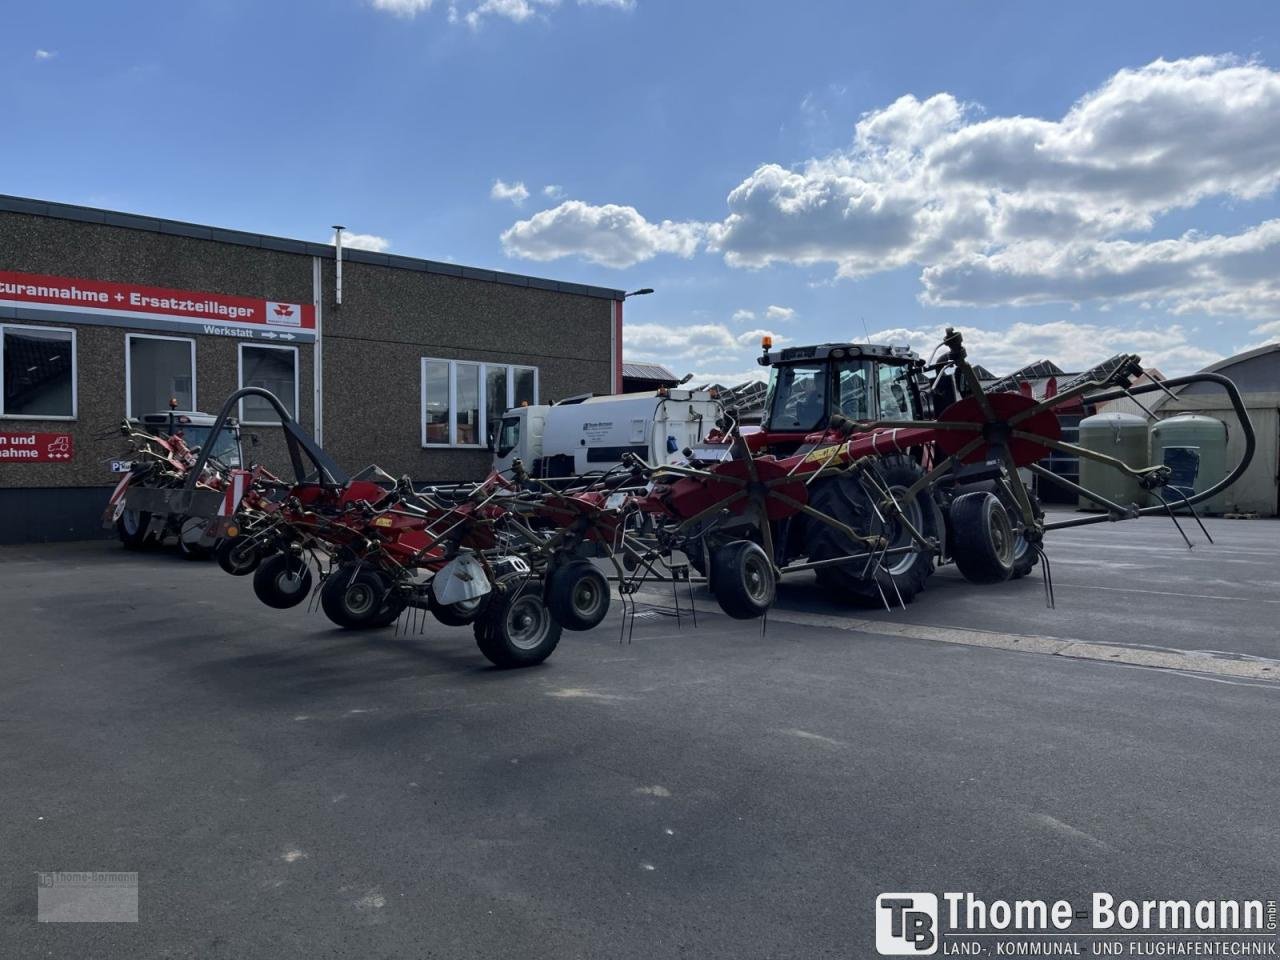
column 131, row 528
column 982, row 538
column 283, row 581
column 578, row 595
column 899, row 574
column 517, row 629
column 743, row 580
column 190, row 533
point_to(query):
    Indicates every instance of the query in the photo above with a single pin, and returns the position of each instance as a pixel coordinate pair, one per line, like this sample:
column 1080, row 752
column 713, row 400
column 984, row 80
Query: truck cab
column 807, row 385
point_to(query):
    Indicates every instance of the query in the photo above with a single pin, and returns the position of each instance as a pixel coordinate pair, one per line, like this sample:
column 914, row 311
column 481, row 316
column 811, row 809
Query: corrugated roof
column 647, row 371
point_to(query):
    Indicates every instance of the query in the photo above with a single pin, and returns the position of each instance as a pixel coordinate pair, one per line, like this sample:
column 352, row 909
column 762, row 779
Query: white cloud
column 515, row 192
column 402, row 8
column 928, row 181
column 364, row 241
column 611, row 235
column 553, row 191
column 752, row 338
column 1072, row 346
column 744, row 316
column 657, row 340
column 42, row 54
column 780, row 314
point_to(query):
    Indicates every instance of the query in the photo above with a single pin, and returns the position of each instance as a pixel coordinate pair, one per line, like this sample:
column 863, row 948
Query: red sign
column 35, row 447
column 134, row 300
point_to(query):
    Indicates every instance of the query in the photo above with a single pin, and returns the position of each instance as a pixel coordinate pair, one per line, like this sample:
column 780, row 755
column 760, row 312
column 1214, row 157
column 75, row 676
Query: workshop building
column 106, row 315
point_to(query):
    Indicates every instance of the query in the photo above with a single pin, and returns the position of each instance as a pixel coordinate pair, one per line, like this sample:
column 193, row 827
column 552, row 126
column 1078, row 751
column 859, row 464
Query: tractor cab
column 807, row 385
column 194, row 428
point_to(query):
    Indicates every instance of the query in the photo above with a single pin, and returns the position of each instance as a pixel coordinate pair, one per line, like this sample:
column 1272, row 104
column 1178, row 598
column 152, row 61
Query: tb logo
column 907, row 924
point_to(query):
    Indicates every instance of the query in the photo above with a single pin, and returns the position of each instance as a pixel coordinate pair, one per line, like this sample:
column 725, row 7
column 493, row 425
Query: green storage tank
column 1123, row 436
column 1195, row 448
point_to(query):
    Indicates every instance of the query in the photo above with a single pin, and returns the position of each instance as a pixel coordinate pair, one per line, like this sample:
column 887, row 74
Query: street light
column 644, row 291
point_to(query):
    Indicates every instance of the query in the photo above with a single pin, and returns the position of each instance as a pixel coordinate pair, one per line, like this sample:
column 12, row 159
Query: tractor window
column 853, row 398
column 895, row 397
column 797, row 396
column 509, row 436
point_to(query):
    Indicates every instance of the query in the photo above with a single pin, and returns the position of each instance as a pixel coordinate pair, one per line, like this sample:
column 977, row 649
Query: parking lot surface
column 284, row 788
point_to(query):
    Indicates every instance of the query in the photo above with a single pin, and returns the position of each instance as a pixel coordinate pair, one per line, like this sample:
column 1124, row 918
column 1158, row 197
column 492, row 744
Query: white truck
column 589, row 434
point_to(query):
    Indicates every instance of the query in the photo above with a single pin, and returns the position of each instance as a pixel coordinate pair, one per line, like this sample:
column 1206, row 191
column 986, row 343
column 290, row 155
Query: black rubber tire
column 982, row 539
column 193, row 549
column 458, row 614
column 238, row 556
column 517, row 629
column 578, row 595
column 354, row 596
column 1025, row 557
column 844, row 499
column 131, row 529
column 392, row 607
column 745, row 583
column 283, row 581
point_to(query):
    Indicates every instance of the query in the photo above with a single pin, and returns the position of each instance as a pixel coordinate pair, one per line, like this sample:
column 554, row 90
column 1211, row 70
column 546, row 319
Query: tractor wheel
column 354, row 596
column 457, row 614
column 517, row 629
column 131, row 528
column 898, row 574
column 1025, row 557
column 743, row 580
column 238, row 556
column 283, row 581
column 578, row 595
column 982, row 538
column 190, row 533
column 392, row 607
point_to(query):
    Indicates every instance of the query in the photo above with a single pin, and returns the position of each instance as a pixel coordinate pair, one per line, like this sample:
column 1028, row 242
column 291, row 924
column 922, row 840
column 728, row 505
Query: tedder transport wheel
column 457, row 614
column 578, row 595
column 190, row 532
column 131, row 528
column 1025, row 557
column 743, row 580
column 517, row 629
column 283, row 581
column 238, row 556
column 982, row 539
column 354, row 596
column 844, row 498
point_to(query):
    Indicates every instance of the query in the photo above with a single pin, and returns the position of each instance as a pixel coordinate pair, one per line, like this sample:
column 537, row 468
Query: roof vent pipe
column 337, row 243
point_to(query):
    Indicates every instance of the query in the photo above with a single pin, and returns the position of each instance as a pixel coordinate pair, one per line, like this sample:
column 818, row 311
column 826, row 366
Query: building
column 643, row 377
column 107, row 315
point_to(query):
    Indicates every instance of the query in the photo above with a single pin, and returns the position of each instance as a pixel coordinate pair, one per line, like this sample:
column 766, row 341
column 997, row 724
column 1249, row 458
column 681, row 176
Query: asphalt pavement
column 287, row 789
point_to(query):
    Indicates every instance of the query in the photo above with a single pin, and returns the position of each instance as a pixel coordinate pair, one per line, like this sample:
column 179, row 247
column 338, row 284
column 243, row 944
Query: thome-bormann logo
column 914, row 925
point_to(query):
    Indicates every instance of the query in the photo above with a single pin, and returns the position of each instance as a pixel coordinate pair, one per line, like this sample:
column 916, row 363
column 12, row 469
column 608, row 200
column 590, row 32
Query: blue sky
column 1065, row 181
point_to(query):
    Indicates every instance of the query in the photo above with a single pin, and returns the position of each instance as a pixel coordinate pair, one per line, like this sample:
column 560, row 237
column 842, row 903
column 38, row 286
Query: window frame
column 483, row 371
column 75, row 374
column 128, row 369
column 297, row 376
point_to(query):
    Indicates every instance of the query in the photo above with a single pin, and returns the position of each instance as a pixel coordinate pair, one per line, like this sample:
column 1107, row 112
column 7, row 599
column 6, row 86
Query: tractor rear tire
column 238, row 556
column 190, row 533
column 982, row 538
column 743, row 580
column 283, row 581
column 902, row 574
column 578, row 595
column 517, row 629
column 131, row 528
column 354, row 596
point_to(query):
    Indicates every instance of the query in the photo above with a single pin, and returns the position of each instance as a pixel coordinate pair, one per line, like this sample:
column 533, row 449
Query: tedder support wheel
column 131, row 528
column 578, row 595
column 238, row 556
column 457, row 614
column 283, row 581
column 982, row 538
column 899, row 574
column 1025, row 557
column 355, row 596
column 190, row 533
column 743, row 580
column 517, row 629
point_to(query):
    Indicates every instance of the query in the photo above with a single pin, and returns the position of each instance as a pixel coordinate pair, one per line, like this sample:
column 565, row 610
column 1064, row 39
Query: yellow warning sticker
column 822, row 454
column 383, row 522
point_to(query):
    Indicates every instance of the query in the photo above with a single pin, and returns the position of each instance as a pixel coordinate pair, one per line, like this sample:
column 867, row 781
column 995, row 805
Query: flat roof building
column 107, row 315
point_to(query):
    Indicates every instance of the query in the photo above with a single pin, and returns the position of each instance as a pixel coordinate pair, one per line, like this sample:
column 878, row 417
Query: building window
column 463, row 401
column 159, row 369
column 38, row 367
column 271, row 368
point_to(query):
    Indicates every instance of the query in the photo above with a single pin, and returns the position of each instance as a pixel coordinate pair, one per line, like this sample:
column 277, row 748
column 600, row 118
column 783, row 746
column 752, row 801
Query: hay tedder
column 872, row 468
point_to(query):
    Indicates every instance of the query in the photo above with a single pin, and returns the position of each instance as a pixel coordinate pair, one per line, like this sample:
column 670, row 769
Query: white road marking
column 806, row 735
column 577, row 693
column 1053, row 823
column 654, row 791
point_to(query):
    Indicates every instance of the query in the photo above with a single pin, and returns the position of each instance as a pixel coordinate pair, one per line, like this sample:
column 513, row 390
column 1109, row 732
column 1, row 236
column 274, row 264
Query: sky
column 1059, row 181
